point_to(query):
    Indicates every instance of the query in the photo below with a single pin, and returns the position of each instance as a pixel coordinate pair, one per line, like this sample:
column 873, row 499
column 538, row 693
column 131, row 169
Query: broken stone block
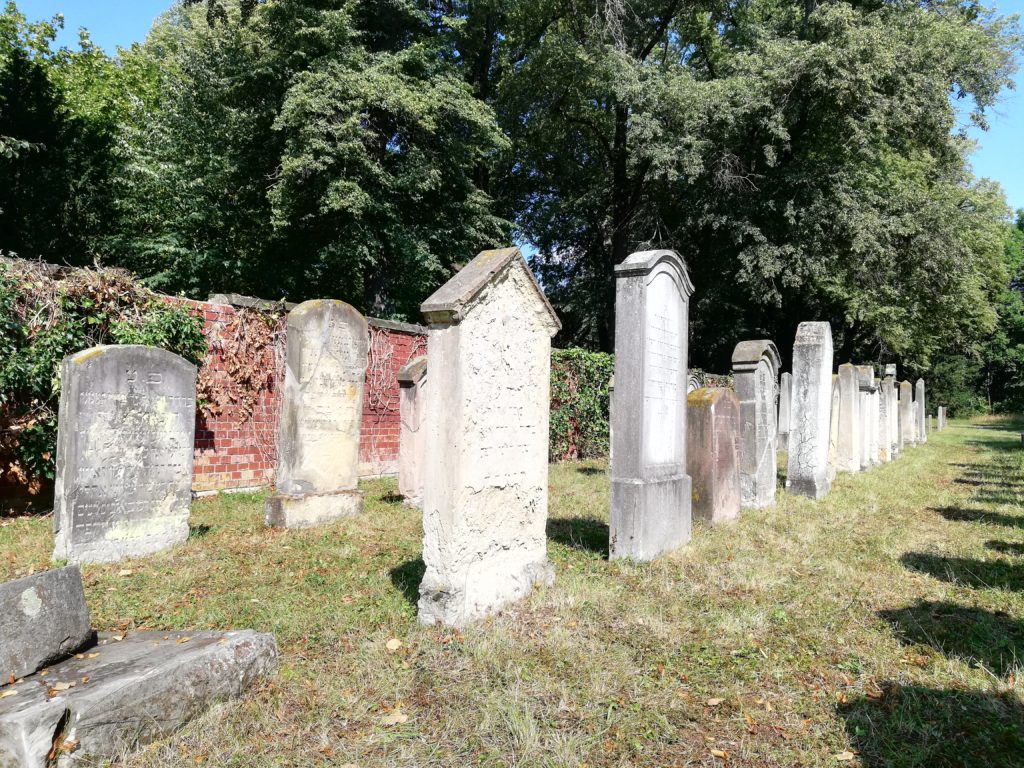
column 712, row 453
column 44, row 619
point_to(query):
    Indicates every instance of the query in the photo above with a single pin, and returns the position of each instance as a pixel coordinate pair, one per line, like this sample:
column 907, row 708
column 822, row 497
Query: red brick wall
column 235, row 451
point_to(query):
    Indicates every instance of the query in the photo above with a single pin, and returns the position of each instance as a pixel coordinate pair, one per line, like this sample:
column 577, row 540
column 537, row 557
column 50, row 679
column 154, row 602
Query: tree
column 313, row 147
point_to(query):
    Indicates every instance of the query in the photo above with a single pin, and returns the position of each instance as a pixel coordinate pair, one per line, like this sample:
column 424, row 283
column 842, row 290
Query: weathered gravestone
column 833, row 445
column 412, row 381
column 892, row 410
column 808, row 469
column 922, row 434
column 485, row 495
column 321, row 415
column 850, row 420
column 124, row 453
column 42, row 623
column 650, row 498
column 785, row 397
column 884, row 436
column 755, row 367
column 117, row 692
column 712, row 453
column 868, row 416
column 908, row 428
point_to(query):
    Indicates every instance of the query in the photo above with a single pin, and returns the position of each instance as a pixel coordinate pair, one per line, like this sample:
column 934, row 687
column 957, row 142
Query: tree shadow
column 979, row 574
column 961, row 514
column 991, row 639
column 591, row 471
column 917, row 727
column 407, row 577
column 586, row 534
column 983, row 481
column 1006, row 547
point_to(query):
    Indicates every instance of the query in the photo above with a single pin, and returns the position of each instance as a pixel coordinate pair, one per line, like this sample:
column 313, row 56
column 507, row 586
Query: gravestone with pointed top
column 485, row 493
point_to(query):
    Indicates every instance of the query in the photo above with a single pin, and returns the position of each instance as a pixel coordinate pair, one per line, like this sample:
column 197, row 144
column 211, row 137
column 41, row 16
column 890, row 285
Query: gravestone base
column 480, row 594
column 649, row 517
column 311, row 509
column 810, row 488
column 128, row 539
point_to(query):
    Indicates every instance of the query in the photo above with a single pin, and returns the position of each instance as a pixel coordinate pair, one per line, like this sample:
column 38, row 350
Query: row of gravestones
column 475, row 439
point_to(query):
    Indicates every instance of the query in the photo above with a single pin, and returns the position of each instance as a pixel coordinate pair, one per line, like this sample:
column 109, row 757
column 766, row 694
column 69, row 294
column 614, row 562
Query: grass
column 882, row 626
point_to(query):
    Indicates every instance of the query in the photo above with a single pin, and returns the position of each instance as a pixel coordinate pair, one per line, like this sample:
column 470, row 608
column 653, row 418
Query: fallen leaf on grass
column 395, row 718
column 714, row 702
column 845, row 757
column 394, row 644
column 125, row 572
column 719, row 753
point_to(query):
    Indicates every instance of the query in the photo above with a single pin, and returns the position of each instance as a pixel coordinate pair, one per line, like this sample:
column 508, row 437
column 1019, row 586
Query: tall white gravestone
column 922, row 433
column 882, row 407
column 650, row 499
column 908, row 426
column 485, row 493
column 833, row 445
column 892, row 408
column 125, row 435
column 321, row 416
column 785, row 401
column 412, row 382
column 808, row 469
column 850, row 422
column 755, row 367
column 869, row 416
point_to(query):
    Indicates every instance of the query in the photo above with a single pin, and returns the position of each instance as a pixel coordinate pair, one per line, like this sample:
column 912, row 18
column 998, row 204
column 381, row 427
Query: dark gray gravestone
column 44, row 619
column 124, row 453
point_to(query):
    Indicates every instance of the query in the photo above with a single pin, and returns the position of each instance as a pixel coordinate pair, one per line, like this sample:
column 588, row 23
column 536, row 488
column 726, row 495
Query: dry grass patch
column 879, row 627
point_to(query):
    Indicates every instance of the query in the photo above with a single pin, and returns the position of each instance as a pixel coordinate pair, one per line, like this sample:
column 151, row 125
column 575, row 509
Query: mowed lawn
column 882, row 626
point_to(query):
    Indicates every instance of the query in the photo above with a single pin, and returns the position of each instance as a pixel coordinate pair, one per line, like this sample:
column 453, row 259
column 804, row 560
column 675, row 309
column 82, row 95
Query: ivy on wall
column 48, row 313
column 579, row 403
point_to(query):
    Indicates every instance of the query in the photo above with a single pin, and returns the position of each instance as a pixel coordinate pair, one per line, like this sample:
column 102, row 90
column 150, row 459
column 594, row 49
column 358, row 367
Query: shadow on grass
column 917, row 727
column 1006, row 547
column 392, row 498
column 583, row 533
column 991, row 639
column 961, row 514
column 198, row 531
column 407, row 577
column 996, row 574
column 591, row 471
column 983, row 481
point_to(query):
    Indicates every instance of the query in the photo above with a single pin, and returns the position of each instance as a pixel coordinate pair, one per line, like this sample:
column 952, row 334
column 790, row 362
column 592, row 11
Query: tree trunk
column 621, row 203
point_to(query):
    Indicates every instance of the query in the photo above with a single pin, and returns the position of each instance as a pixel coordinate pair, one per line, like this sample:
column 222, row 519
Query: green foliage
column 43, row 319
column 579, row 403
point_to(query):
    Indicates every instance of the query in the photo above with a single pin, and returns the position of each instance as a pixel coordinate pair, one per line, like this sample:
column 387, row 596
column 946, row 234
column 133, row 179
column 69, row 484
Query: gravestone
column 650, row 498
column 712, row 453
column 755, row 366
column 833, row 445
column 42, row 624
column 412, row 380
column 891, row 410
column 321, row 415
column 785, row 396
column 908, row 428
column 868, row 416
column 808, row 468
column 850, row 420
column 884, row 436
column 485, row 492
column 922, row 434
column 124, row 453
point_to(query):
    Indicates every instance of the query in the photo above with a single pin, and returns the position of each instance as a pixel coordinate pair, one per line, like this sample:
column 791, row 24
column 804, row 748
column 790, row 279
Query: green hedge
column 579, row 403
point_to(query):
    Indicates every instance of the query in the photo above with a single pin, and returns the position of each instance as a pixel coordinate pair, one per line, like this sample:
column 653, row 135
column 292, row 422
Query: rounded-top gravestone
column 755, row 366
column 124, row 453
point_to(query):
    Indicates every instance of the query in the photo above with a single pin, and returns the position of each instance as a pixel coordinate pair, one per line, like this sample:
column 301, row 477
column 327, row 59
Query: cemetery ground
column 880, row 626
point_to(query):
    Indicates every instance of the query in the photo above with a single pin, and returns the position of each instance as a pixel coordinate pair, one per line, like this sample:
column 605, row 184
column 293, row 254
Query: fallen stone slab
column 119, row 694
column 44, row 619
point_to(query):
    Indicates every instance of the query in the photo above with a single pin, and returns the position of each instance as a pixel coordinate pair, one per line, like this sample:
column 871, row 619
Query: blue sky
column 112, row 23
